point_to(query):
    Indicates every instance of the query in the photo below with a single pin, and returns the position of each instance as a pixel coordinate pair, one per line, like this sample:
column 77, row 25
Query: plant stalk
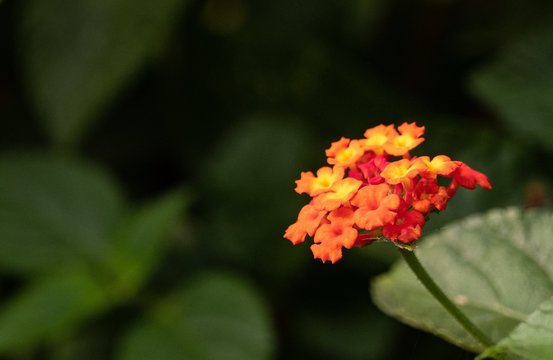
column 430, row 285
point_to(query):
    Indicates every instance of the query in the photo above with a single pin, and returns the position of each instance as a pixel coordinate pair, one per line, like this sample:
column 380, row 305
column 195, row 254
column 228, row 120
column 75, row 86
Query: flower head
column 369, row 193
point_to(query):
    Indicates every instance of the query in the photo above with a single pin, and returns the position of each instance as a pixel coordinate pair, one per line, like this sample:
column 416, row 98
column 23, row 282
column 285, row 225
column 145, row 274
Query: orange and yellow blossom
column 439, row 165
column 339, row 194
column 403, row 171
column 379, row 136
column 346, row 156
column 369, row 194
column 409, row 139
column 314, row 185
column 337, row 146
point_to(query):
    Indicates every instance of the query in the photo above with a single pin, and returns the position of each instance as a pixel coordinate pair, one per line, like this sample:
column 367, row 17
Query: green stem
column 430, row 285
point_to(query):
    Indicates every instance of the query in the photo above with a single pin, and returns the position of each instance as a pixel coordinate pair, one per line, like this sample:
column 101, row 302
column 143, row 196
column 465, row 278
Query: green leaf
column 53, row 212
column 77, row 55
column 48, row 309
column 140, row 240
column 532, row 339
column 495, row 266
column 215, row 317
column 519, row 86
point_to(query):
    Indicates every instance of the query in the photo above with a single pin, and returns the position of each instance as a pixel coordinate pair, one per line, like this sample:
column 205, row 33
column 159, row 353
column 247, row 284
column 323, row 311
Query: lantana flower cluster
column 374, row 189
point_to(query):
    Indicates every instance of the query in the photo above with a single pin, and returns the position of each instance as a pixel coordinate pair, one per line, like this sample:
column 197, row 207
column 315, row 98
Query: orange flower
column 376, row 206
column 308, row 221
column 409, row 139
column 339, row 194
column 439, row 165
column 347, row 156
column 368, row 194
column 314, row 185
column 337, row 146
column 402, row 171
column 330, row 238
column 341, row 216
column 378, row 136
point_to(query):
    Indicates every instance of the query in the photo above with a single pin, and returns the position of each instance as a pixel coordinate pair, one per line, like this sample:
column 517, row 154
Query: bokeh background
column 149, row 152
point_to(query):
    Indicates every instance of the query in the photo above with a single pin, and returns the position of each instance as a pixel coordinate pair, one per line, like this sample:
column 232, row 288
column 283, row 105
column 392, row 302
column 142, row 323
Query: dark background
column 231, row 99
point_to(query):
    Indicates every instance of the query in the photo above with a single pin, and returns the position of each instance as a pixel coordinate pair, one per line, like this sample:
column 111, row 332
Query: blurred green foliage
column 149, row 149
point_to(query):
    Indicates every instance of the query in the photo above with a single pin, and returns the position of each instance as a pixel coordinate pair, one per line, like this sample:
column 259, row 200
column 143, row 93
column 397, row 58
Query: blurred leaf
column 49, row 308
column 519, row 86
column 532, row 339
column 78, row 54
column 235, row 169
column 215, row 317
column 249, row 181
column 140, row 240
column 151, row 341
column 495, row 266
column 53, row 212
